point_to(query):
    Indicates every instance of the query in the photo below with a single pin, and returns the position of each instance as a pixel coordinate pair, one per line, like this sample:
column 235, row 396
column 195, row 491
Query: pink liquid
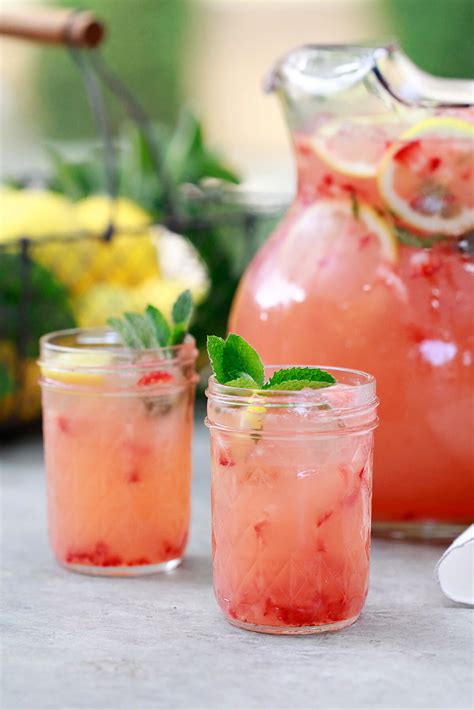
column 291, row 526
column 322, row 290
column 118, row 474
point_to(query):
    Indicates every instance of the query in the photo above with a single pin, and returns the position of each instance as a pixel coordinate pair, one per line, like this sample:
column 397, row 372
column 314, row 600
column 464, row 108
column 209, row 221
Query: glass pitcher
column 372, row 267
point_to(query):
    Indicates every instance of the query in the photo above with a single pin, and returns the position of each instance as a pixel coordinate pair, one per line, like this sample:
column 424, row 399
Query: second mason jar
column 291, row 501
column 117, row 429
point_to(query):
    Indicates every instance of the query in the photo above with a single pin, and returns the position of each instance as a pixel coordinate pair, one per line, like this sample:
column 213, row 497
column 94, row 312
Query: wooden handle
column 52, row 26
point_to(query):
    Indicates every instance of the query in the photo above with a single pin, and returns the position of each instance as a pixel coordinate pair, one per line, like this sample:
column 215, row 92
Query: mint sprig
column 243, row 383
column 215, row 350
column 241, row 360
column 159, row 324
column 236, row 364
column 141, row 331
column 297, row 378
column 181, row 315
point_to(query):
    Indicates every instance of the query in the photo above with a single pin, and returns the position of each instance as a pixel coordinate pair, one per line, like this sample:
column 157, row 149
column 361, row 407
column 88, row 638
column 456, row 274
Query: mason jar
column 117, row 426
column 291, row 503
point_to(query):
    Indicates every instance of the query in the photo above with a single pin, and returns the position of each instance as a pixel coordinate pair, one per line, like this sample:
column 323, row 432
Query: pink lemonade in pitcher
column 291, row 500
column 373, row 268
column 117, row 435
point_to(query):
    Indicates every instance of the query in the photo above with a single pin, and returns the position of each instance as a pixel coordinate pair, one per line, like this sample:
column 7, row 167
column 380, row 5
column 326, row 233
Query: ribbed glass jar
column 117, row 427
column 291, row 500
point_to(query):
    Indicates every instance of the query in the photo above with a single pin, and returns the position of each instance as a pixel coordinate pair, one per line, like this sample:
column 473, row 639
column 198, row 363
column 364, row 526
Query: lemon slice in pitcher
column 334, row 221
column 427, row 176
column 355, row 146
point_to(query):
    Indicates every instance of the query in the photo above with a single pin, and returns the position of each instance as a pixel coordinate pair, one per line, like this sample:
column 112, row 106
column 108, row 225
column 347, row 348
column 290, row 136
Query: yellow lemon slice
column 382, row 230
column 355, row 146
column 427, row 176
column 254, row 415
column 335, row 220
column 80, row 368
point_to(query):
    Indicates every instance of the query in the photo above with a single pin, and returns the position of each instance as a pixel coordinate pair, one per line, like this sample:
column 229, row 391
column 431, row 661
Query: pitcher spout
column 321, row 71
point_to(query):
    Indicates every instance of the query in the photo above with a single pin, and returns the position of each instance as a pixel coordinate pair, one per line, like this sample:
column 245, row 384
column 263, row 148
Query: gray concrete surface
column 71, row 641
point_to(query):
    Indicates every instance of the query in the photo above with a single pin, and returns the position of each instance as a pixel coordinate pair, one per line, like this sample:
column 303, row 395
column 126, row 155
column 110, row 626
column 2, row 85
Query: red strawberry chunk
column 225, row 459
column 113, row 561
column 139, row 561
column 416, row 333
column 133, row 476
column 434, row 164
column 154, row 377
column 322, row 610
column 99, row 556
column 347, row 187
column 410, row 155
column 63, row 424
column 173, row 549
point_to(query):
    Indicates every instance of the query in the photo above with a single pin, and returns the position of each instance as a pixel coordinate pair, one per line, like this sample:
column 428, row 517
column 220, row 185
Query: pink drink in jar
column 291, row 503
column 117, row 437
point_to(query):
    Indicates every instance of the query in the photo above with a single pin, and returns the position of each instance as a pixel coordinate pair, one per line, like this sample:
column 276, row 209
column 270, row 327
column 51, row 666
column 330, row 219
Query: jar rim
column 335, row 411
column 354, row 381
column 100, row 339
column 57, row 346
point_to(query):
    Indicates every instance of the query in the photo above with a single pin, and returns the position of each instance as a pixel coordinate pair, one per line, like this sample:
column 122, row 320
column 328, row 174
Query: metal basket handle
column 78, row 30
column 52, row 26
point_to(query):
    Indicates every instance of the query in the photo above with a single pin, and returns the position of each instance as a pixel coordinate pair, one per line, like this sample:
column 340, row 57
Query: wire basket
column 104, row 254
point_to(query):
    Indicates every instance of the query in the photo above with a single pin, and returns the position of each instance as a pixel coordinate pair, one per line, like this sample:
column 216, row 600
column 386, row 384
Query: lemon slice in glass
column 79, row 368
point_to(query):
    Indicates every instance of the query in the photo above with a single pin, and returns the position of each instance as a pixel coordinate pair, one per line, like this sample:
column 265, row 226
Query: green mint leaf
column 160, row 325
column 181, row 315
column 143, row 329
column 177, row 334
column 305, row 377
column 215, row 350
column 243, row 383
column 127, row 334
column 151, row 329
column 294, row 385
column 241, row 360
column 182, row 308
column 236, row 364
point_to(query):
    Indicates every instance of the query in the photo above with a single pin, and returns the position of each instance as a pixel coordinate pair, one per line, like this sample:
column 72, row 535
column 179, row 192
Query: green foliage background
column 436, row 34
column 144, row 45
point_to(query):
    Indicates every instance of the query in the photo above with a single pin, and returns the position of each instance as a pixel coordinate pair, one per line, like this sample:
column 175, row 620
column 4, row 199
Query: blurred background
column 212, row 55
column 215, row 166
